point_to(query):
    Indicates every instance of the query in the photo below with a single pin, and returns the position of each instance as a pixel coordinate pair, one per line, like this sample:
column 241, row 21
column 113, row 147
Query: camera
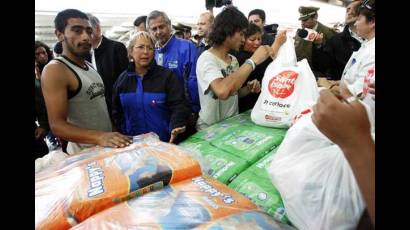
column 209, row 4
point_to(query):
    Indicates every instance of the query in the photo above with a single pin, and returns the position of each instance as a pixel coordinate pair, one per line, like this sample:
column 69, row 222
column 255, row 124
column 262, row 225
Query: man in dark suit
column 109, row 57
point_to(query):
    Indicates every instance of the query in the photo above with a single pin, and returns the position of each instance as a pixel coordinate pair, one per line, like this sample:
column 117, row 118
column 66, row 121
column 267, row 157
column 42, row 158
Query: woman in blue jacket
column 148, row 97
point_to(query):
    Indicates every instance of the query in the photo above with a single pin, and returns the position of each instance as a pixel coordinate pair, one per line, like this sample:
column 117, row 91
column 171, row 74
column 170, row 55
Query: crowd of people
column 93, row 90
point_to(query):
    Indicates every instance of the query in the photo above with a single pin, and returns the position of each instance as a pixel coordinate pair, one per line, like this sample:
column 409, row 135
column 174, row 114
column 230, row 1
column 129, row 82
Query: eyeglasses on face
column 144, row 48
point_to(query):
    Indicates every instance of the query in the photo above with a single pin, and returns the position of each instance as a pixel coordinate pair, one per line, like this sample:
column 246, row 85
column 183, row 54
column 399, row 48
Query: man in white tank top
column 73, row 90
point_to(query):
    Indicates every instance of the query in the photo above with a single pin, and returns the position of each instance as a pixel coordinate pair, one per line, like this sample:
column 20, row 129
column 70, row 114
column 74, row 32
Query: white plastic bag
column 317, row 185
column 288, row 87
column 48, row 160
column 286, row 54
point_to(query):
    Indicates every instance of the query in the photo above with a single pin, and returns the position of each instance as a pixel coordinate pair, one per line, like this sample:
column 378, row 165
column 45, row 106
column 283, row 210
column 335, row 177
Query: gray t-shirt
column 210, row 67
column 87, row 109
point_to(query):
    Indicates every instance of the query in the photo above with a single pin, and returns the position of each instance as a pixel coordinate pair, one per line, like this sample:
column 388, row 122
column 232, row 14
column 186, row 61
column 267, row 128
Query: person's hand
column 40, row 133
column 318, row 39
column 175, row 132
column 279, row 41
column 114, row 140
column 323, row 82
column 280, row 38
column 254, row 86
column 344, row 91
column 261, row 54
column 344, row 124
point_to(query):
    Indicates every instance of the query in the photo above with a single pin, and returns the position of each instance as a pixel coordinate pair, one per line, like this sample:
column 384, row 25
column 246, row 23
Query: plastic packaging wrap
column 250, row 143
column 218, row 130
column 214, row 162
column 198, row 203
column 48, row 160
column 255, row 183
column 93, row 153
column 93, row 182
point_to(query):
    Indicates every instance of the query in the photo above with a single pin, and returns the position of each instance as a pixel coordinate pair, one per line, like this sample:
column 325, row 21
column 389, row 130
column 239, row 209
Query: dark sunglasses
column 366, row 5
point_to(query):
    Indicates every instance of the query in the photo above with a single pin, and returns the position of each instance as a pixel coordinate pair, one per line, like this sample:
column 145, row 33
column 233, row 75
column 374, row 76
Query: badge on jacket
column 173, row 64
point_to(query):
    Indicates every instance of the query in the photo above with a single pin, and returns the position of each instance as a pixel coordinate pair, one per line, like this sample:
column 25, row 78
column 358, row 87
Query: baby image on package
column 191, row 204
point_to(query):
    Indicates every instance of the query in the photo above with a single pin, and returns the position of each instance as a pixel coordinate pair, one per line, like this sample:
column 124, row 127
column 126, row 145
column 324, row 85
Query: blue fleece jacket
column 180, row 56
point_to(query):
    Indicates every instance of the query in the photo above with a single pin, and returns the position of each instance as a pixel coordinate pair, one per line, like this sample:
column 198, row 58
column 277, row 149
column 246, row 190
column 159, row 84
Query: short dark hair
column 38, row 44
column 259, row 12
column 252, row 29
column 368, row 9
column 226, row 24
column 60, row 22
column 140, row 19
column 58, row 48
column 156, row 14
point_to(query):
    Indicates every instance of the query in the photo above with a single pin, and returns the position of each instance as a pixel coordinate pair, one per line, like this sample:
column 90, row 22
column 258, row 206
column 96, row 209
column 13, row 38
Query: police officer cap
column 307, row 11
column 184, row 27
column 178, row 27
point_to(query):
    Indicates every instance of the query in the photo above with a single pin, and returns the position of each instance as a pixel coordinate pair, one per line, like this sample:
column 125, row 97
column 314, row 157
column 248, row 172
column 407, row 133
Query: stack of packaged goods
column 227, row 148
column 198, row 203
column 100, row 178
column 215, row 162
column 255, row 183
column 237, row 152
column 103, row 188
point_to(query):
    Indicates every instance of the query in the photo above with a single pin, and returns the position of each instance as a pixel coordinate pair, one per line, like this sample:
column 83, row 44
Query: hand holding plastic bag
column 317, row 185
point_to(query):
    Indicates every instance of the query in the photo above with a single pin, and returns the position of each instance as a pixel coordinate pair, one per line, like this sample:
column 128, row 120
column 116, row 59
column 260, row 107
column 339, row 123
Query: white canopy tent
column 117, row 16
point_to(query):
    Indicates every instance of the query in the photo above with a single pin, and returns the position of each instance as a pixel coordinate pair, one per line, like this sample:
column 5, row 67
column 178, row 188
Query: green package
column 214, row 132
column 240, row 119
column 250, row 143
column 255, row 183
column 215, row 162
column 218, row 130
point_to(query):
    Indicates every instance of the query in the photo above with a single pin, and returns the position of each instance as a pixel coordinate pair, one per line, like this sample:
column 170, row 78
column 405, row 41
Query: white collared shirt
column 93, row 62
column 355, row 36
column 358, row 65
column 315, row 27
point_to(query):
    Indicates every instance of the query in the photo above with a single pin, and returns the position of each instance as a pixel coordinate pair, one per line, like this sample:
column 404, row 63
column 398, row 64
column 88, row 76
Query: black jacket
column 112, row 59
column 334, row 55
column 268, row 39
column 155, row 103
column 40, row 107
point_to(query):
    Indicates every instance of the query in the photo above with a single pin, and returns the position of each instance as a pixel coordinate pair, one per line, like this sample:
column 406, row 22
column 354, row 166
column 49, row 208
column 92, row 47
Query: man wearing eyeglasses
column 307, row 49
column 178, row 55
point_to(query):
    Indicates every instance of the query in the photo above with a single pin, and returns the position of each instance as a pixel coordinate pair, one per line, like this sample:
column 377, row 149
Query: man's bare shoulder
column 54, row 69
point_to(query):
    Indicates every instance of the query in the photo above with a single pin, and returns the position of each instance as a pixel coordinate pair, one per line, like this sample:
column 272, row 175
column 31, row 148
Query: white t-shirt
column 358, row 65
column 210, row 67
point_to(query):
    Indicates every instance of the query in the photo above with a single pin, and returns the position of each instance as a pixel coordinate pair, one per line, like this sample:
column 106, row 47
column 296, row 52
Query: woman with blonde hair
column 148, row 97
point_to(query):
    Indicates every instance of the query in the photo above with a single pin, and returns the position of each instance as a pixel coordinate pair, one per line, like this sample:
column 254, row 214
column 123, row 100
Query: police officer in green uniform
column 308, row 49
column 179, row 31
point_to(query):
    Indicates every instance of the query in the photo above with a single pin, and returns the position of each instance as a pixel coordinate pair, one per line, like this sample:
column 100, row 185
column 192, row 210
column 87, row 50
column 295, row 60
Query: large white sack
column 315, row 180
